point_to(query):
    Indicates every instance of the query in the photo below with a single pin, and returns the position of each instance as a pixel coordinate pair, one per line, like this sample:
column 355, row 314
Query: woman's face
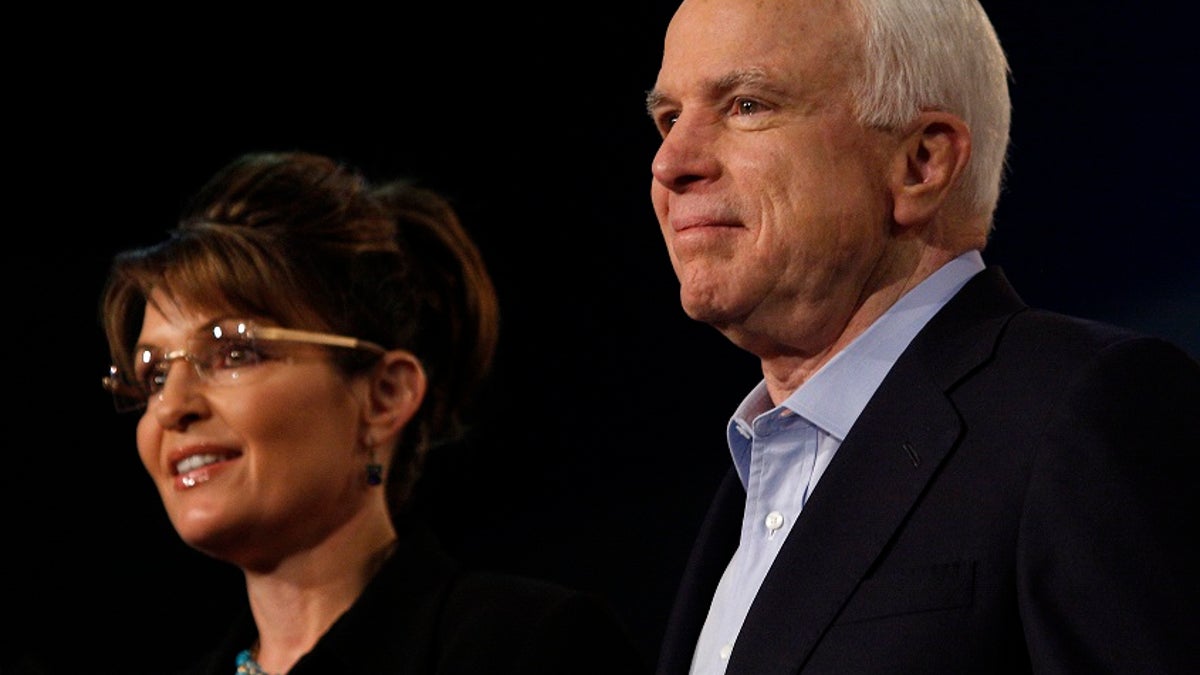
column 252, row 471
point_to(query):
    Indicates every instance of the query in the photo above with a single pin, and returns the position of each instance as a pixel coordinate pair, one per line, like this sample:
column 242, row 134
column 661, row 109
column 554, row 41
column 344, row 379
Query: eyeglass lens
column 218, row 353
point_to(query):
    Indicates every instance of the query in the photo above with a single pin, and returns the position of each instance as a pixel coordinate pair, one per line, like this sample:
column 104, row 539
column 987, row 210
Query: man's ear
column 929, row 161
column 397, row 388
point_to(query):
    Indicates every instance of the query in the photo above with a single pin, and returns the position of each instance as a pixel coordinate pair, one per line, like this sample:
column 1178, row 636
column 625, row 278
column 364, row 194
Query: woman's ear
column 929, row 162
column 396, row 389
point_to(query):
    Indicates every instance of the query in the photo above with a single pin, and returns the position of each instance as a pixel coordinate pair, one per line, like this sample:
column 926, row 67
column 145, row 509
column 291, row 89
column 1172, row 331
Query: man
column 931, row 477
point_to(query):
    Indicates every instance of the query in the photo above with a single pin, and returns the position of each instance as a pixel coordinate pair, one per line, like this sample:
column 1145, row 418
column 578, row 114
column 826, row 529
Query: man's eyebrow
column 740, row 78
column 717, row 88
column 654, row 98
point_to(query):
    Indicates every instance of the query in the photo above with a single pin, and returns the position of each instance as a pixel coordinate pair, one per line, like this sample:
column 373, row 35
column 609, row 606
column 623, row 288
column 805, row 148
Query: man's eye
column 745, row 106
column 665, row 121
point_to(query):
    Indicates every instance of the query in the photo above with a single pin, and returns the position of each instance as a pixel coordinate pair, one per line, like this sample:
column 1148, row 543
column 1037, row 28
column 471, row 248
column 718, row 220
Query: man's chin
column 705, row 310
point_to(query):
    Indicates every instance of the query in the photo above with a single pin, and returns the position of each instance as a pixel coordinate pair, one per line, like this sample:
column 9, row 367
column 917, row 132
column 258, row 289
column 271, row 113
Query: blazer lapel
column 885, row 462
column 714, row 546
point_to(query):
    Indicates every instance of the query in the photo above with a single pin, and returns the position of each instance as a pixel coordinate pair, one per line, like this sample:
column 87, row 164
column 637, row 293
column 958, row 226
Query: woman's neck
column 297, row 601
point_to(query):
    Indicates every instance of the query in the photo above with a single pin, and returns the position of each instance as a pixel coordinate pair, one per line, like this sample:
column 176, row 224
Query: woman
column 295, row 347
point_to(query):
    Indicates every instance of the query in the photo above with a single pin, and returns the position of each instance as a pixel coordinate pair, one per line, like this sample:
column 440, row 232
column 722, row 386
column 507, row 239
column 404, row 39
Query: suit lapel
column 715, row 545
column 895, row 447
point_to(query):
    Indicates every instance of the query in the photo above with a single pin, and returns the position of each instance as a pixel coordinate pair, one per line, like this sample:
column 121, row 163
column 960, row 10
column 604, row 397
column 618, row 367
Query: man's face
column 773, row 200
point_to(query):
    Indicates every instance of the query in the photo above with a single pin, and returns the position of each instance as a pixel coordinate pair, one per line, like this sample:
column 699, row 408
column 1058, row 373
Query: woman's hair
column 307, row 242
column 939, row 55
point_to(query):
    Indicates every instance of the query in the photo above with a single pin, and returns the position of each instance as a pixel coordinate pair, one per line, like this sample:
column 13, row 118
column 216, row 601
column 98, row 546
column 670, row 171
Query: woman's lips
column 193, row 467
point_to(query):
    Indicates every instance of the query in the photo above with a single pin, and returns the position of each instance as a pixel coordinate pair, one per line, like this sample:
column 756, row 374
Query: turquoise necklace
column 246, row 665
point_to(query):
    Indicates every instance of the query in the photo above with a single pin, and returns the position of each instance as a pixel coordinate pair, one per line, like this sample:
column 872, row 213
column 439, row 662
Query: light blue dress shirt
column 781, row 451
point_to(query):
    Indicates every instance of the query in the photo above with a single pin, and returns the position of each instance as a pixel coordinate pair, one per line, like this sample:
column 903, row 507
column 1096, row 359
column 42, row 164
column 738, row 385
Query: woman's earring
column 374, row 468
column 374, row 474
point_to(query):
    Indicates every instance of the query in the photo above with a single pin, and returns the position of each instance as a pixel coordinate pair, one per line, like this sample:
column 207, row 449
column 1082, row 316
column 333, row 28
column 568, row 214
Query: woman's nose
column 180, row 398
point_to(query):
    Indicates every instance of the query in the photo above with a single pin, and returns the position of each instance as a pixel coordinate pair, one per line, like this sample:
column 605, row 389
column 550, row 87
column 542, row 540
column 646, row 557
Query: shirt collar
column 834, row 397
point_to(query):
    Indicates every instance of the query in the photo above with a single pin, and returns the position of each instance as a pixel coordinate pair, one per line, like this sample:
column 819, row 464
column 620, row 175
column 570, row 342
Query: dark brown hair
column 307, row 242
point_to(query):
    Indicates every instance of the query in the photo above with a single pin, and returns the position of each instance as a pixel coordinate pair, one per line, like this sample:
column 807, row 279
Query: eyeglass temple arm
column 310, row 337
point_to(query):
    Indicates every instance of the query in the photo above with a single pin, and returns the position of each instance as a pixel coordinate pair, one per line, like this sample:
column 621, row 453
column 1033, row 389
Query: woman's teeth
column 197, row 461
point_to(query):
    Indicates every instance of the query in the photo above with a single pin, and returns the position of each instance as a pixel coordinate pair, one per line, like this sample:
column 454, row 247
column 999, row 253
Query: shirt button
column 726, row 650
column 774, row 520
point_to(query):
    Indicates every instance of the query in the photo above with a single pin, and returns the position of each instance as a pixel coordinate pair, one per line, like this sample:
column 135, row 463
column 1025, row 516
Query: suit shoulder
column 1051, row 334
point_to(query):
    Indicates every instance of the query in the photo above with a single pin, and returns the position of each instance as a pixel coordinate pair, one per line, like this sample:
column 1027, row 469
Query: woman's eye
column 148, row 371
column 236, row 354
column 152, row 376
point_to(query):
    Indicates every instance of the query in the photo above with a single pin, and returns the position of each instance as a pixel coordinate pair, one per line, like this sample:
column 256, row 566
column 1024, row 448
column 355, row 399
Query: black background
column 601, row 436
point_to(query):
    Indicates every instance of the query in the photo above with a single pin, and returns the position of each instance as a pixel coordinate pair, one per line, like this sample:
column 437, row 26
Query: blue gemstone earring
column 374, row 473
column 374, row 468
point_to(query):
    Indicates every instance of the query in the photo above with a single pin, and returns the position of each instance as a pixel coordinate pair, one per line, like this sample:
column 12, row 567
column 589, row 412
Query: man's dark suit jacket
column 1020, row 495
